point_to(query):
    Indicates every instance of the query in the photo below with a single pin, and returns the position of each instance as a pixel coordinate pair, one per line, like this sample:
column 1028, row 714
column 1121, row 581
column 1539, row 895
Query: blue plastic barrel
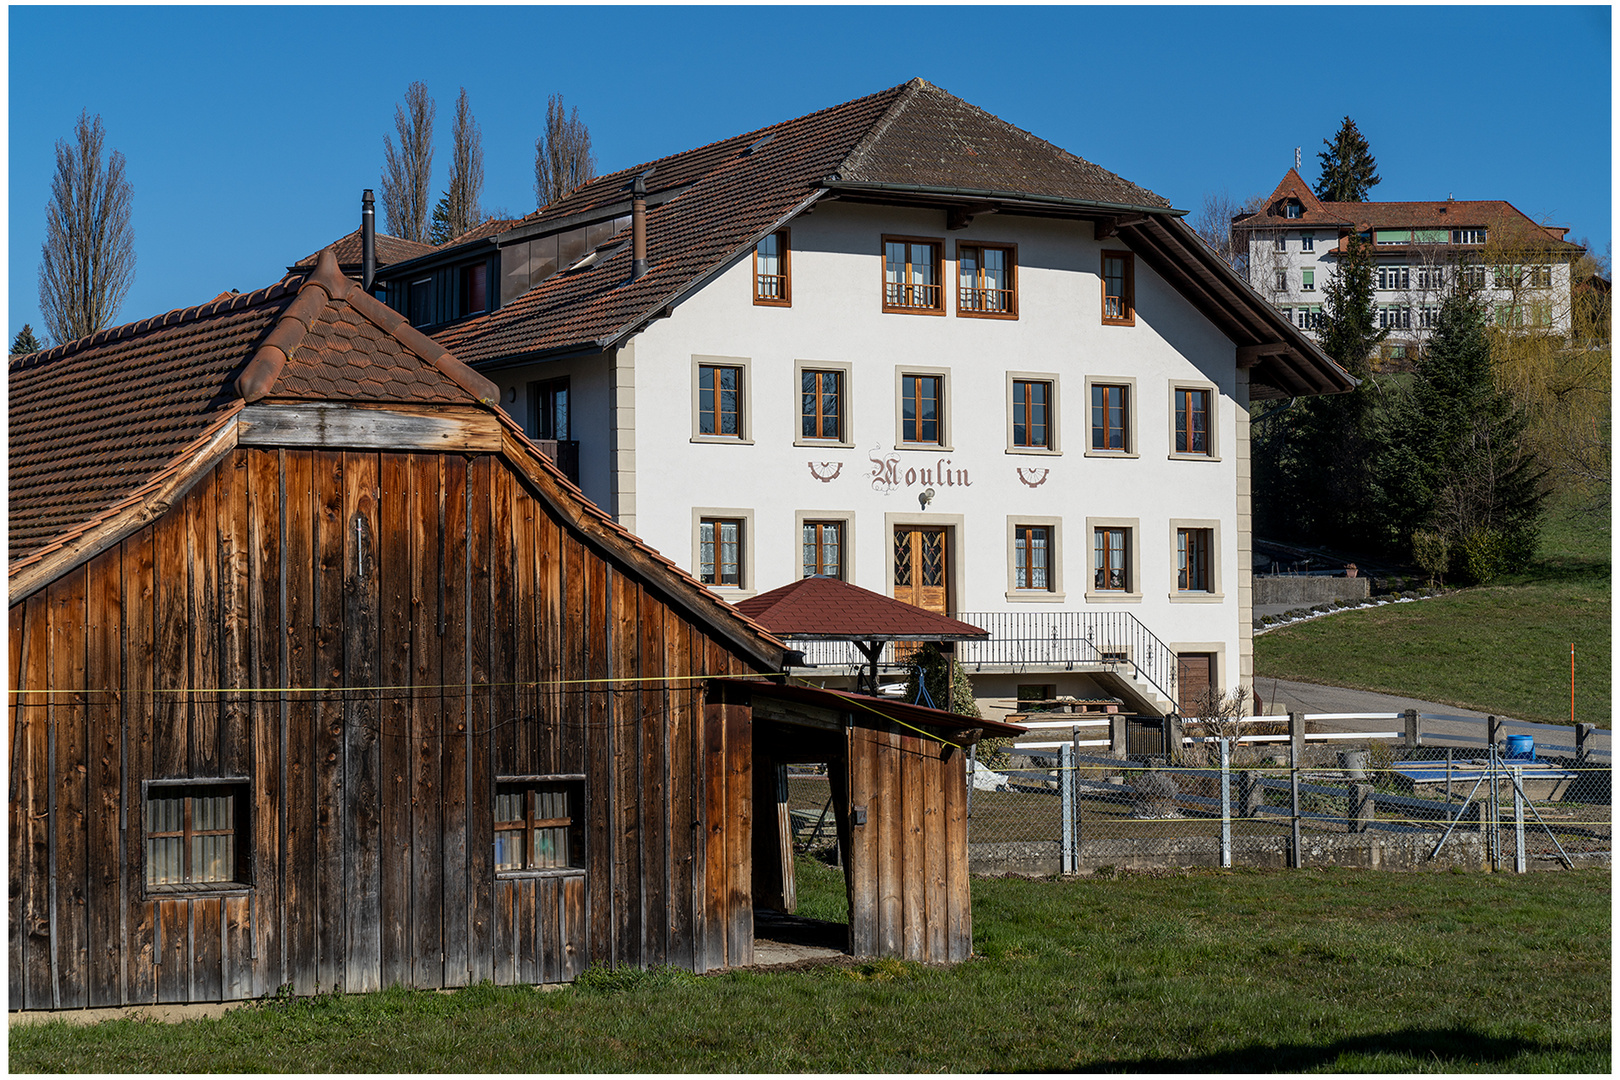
column 1521, row 746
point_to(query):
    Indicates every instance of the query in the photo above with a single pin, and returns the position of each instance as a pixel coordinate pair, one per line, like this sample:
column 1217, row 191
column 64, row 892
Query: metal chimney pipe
column 638, row 228
column 368, row 242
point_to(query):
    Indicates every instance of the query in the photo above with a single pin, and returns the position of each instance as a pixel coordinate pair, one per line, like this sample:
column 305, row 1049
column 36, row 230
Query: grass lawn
column 1333, row 971
column 1503, row 648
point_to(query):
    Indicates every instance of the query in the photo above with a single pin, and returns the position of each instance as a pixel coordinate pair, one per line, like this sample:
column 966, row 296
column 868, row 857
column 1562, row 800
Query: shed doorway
column 801, row 879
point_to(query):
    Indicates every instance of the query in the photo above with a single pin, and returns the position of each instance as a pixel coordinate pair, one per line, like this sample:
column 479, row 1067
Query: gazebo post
column 871, row 649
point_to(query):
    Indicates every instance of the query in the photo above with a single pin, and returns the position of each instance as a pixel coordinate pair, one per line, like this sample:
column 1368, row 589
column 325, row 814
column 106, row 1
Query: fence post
column 1583, row 732
column 1360, row 812
column 973, row 775
column 1172, row 737
column 1296, row 754
column 1066, row 806
column 1226, row 801
column 1518, row 819
column 1414, row 729
column 1493, row 730
column 1116, row 735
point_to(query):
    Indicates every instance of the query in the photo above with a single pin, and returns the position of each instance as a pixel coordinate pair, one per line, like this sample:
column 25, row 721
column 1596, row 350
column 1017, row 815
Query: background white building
column 904, row 343
column 1421, row 251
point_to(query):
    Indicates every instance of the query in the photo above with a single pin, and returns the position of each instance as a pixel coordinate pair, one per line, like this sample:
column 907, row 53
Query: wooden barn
column 322, row 675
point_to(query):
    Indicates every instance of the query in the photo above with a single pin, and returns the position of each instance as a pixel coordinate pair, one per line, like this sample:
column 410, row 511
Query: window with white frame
column 1431, row 277
column 1394, row 277
column 1282, row 281
column 1307, row 280
column 1280, row 242
column 1394, row 317
column 1428, row 317
column 1468, row 236
column 1540, row 277
column 1307, row 241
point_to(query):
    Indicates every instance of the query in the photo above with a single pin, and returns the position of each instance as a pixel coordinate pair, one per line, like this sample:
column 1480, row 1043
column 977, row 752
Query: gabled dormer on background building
column 1421, row 250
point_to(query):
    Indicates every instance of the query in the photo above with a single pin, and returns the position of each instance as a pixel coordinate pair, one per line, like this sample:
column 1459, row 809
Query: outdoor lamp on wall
column 511, row 393
column 925, row 498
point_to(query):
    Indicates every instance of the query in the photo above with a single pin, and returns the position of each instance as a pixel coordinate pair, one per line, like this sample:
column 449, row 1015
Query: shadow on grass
column 1438, row 1046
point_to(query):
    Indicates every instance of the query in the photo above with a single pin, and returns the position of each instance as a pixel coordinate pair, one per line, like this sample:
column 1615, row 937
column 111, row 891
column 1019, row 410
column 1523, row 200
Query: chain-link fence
column 1090, row 791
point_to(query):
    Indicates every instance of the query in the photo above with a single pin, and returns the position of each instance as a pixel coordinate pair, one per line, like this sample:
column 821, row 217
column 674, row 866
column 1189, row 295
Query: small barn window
column 195, row 836
column 537, row 826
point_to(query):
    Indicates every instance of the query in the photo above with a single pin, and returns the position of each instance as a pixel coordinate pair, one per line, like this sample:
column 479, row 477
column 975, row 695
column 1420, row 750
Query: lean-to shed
column 323, row 676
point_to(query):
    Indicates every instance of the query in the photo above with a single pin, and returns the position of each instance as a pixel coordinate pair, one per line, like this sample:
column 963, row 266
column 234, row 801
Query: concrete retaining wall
column 1304, row 590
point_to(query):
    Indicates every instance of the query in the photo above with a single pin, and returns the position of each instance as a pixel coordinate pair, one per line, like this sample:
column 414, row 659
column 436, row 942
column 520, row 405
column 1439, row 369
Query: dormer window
column 474, row 288
column 771, row 281
column 1292, row 208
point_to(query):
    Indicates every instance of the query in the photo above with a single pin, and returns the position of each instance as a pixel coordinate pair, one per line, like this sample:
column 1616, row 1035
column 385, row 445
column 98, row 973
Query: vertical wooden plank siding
column 958, row 920
column 35, row 789
column 265, row 578
column 332, row 885
column 456, row 741
column 426, row 947
column 363, row 581
column 935, row 775
column 18, row 710
column 369, row 640
column 682, row 819
column 739, row 835
column 480, row 843
column 70, row 865
column 302, row 892
column 202, row 565
column 394, row 736
column 140, row 986
column 623, row 701
column 242, row 640
column 913, row 868
column 104, row 679
column 890, row 913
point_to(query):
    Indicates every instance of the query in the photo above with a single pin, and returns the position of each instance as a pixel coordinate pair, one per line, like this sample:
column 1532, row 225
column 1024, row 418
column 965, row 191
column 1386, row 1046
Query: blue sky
column 250, row 132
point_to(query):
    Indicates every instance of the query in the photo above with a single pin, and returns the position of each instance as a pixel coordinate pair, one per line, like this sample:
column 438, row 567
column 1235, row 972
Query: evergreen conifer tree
column 25, row 341
column 1348, row 168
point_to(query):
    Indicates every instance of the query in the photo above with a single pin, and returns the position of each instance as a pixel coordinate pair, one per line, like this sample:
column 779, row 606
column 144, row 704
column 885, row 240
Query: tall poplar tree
column 457, row 209
column 1348, row 168
column 408, row 170
column 562, row 154
column 87, row 263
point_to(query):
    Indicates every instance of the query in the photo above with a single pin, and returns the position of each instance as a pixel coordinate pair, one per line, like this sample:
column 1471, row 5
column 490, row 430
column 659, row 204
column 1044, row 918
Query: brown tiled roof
column 823, row 607
column 729, row 197
column 492, row 227
column 1502, row 220
column 93, row 422
column 389, row 249
column 865, row 705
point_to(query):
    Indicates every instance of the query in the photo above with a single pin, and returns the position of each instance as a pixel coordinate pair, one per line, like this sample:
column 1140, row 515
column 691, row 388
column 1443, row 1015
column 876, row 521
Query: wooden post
column 1116, row 735
column 1414, row 729
column 1172, row 737
column 1362, row 808
column 1296, row 754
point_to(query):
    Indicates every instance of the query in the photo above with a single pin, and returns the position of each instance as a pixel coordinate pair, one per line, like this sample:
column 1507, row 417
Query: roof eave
column 1011, row 198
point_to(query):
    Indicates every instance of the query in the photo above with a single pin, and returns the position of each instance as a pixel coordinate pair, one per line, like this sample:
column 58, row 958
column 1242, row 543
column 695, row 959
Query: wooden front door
column 921, row 556
column 1195, row 676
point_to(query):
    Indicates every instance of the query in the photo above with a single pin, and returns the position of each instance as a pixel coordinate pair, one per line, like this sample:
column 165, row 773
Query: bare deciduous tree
column 562, row 154
column 1214, row 224
column 408, row 171
column 87, row 262
column 457, row 209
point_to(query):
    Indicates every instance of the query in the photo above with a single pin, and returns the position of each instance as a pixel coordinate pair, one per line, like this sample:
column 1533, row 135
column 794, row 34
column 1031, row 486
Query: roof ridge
column 750, row 136
column 905, row 93
column 176, row 317
column 327, row 285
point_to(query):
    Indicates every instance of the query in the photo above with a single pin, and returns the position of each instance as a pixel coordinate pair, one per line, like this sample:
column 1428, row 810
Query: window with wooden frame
column 537, row 824
column 720, row 551
column 987, row 280
column 1192, row 422
column 473, row 289
column 1111, row 547
column 821, row 404
column 773, row 283
column 1032, row 557
column 1193, row 559
column 720, row 400
column 1110, row 418
column 1032, row 414
column 1119, row 288
column 824, row 549
column 196, row 836
column 920, row 400
column 912, row 275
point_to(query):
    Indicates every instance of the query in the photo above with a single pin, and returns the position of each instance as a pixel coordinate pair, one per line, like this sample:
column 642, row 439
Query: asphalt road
column 1283, row 695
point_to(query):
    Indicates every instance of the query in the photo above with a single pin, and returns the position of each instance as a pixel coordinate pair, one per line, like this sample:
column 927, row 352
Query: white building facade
column 1421, row 251
column 1027, row 414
